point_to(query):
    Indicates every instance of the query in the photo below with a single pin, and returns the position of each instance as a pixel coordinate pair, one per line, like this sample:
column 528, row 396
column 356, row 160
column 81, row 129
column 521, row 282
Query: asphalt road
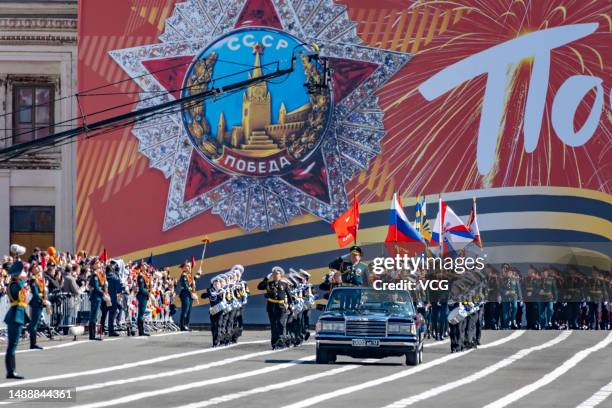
column 511, row 368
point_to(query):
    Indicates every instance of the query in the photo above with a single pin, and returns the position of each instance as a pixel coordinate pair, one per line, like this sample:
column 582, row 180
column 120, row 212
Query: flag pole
column 356, row 225
column 441, row 225
column 206, row 241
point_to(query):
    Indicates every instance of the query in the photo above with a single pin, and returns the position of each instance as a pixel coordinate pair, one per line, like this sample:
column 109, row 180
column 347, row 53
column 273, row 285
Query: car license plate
column 365, row 343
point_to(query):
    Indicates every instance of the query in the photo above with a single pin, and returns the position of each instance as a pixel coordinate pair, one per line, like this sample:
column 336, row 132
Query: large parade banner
column 505, row 100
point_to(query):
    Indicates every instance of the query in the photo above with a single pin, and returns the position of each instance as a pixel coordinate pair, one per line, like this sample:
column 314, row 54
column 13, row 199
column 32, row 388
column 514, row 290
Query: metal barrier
column 67, row 311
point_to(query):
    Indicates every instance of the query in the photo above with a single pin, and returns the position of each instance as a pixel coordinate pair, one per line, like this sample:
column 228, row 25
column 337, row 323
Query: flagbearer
column 16, row 317
column 186, row 293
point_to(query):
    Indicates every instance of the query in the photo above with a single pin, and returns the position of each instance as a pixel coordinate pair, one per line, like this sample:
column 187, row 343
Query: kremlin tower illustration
column 258, row 136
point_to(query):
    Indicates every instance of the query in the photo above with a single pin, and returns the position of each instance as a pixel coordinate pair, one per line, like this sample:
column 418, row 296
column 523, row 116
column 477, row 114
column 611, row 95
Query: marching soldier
column 242, row 293
column 215, row 295
column 96, row 293
column 16, row 317
column 186, row 293
column 309, row 298
column 143, row 283
column 277, row 296
column 38, row 288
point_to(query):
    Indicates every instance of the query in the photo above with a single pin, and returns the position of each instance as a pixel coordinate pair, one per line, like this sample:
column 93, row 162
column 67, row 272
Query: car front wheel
column 323, row 357
column 413, row 358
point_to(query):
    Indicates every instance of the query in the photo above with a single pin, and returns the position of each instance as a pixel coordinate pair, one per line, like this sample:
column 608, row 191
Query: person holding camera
column 143, row 283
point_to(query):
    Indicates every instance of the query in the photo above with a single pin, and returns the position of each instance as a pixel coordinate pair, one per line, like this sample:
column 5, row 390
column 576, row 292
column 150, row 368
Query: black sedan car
column 363, row 322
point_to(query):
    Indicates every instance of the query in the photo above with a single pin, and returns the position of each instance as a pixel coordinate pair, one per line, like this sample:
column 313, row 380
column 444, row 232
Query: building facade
column 38, row 42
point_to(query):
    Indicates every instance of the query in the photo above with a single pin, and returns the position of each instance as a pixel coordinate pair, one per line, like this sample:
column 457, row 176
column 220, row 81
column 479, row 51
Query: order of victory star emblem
column 269, row 152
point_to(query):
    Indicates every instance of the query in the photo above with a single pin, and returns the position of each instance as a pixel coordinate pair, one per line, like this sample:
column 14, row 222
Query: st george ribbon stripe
column 551, row 376
column 402, row 374
column 478, row 375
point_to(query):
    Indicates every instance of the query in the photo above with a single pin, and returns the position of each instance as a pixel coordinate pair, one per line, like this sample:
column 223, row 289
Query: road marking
column 126, row 365
column 74, row 343
column 551, row 376
column 478, row 375
column 405, row 373
column 180, row 371
column 277, row 386
column 597, row 398
column 197, row 384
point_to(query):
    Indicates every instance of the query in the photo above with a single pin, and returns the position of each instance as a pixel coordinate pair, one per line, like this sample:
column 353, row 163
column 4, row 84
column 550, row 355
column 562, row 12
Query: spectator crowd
column 68, row 280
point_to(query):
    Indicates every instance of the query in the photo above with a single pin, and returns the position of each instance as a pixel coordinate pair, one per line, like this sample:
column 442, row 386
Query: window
column 33, row 227
column 32, row 112
column 32, row 219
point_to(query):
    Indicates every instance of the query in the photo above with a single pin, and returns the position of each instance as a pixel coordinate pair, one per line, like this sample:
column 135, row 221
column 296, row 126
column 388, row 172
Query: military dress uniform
column 37, row 304
column 144, row 284
column 530, row 288
column 215, row 298
column 185, row 286
column 277, row 295
column 16, row 317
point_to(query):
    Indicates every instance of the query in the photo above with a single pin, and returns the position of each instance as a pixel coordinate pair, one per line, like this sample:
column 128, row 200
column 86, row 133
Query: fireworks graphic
column 431, row 145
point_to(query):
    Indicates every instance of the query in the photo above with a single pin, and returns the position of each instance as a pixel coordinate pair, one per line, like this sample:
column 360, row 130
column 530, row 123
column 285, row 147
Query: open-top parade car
column 364, row 322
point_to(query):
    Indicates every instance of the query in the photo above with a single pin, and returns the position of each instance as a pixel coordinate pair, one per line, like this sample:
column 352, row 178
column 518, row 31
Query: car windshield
column 368, row 300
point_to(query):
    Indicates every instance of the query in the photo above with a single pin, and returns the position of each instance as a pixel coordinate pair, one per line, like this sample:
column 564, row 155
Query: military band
column 228, row 296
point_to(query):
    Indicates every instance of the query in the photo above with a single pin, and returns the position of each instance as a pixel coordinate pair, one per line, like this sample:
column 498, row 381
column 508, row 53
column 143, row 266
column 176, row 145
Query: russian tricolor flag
column 400, row 229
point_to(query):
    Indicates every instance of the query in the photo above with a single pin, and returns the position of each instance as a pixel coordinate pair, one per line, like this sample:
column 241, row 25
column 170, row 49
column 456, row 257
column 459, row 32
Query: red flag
column 193, row 262
column 104, row 256
column 347, row 224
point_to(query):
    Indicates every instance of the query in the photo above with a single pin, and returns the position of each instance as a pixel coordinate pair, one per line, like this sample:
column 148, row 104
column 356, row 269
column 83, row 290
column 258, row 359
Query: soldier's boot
column 10, row 368
column 92, row 333
column 33, row 344
column 182, row 324
column 141, row 330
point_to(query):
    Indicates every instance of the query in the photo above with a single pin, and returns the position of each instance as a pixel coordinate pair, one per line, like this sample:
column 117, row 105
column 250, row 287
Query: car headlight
column 330, row 326
column 401, row 328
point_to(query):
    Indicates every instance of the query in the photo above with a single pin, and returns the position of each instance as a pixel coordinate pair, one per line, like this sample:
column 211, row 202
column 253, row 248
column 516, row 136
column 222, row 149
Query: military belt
column 18, row 303
column 280, row 302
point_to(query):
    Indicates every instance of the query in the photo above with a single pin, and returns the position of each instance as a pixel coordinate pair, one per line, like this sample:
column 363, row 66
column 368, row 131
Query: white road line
column 74, row 343
column 478, row 375
column 597, row 398
column 125, row 366
column 551, row 376
column 197, row 384
column 290, row 383
column 271, row 387
column 180, row 371
column 405, row 373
